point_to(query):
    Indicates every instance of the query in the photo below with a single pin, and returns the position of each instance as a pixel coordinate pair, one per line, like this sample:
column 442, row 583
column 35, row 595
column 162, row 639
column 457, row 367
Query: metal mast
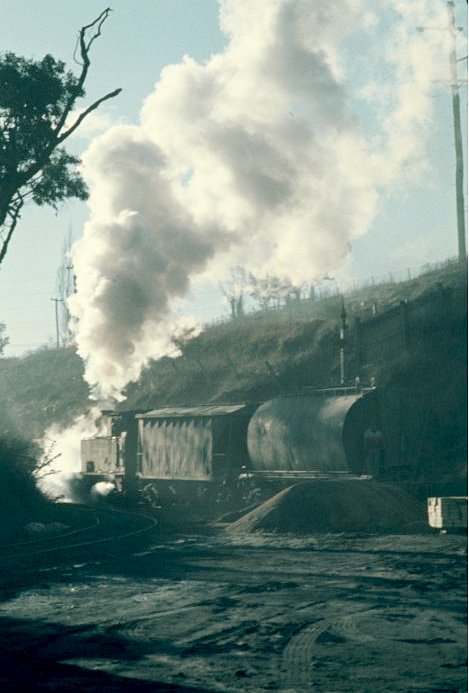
column 454, row 82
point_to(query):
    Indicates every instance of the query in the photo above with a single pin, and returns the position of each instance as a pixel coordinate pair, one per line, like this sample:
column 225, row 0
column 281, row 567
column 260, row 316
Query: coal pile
column 335, row 506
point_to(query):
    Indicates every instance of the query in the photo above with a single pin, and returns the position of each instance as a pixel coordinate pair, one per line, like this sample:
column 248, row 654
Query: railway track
column 102, row 526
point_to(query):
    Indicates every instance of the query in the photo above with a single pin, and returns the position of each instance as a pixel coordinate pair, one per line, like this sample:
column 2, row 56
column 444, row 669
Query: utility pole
column 70, row 271
column 342, row 331
column 454, row 82
column 70, row 289
column 462, row 253
column 57, row 301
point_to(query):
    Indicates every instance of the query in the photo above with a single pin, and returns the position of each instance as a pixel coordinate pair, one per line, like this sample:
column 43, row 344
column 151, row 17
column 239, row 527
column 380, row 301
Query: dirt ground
column 215, row 611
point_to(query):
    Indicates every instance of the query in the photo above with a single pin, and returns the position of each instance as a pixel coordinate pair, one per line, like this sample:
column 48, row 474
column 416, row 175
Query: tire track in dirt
column 297, row 659
column 381, row 635
column 298, row 656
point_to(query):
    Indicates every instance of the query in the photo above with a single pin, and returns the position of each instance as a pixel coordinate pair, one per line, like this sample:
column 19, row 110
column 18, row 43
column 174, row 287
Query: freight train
column 325, row 433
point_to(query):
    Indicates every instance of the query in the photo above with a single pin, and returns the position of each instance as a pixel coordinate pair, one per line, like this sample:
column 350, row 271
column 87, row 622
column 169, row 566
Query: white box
column 447, row 512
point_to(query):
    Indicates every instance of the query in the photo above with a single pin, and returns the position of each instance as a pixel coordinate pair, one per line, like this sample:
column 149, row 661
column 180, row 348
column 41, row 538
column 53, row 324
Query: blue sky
column 415, row 224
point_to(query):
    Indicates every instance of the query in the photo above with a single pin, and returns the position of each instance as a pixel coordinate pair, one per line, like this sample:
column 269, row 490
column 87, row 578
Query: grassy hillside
column 264, row 354
column 40, row 389
column 248, row 359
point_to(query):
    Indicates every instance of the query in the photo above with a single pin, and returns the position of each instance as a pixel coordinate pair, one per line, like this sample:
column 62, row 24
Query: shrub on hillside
column 18, row 462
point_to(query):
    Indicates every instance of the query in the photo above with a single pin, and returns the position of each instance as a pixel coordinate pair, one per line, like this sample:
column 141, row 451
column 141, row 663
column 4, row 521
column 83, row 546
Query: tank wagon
column 318, row 435
column 322, row 434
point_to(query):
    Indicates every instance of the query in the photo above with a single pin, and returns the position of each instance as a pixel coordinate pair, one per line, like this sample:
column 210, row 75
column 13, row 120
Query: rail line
column 48, row 537
column 57, row 543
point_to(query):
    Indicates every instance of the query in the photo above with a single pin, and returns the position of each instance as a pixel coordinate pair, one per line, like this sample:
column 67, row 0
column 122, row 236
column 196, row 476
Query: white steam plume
column 61, row 448
column 258, row 157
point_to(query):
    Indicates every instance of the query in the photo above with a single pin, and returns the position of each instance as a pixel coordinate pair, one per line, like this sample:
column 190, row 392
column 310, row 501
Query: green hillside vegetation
column 263, row 354
column 40, row 389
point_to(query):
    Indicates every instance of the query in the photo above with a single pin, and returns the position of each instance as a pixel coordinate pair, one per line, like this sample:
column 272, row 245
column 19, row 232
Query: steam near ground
column 61, row 448
column 272, row 155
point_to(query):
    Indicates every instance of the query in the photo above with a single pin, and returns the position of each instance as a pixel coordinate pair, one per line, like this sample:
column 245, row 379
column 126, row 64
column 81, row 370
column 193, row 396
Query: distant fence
column 331, row 287
column 395, row 276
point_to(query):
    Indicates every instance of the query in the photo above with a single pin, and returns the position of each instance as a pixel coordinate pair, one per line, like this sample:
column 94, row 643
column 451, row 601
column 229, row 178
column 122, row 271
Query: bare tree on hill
column 271, row 291
column 235, row 289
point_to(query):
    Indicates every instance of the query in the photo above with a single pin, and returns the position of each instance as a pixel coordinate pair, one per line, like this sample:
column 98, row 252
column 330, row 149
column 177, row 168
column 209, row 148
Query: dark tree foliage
column 18, row 463
column 37, row 106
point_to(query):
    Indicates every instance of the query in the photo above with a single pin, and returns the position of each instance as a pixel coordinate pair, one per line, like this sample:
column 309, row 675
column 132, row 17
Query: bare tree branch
column 85, row 113
column 99, row 21
column 15, row 215
column 84, row 52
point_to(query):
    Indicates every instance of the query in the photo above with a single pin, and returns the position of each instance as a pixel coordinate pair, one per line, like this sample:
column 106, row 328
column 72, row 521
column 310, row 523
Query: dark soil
column 330, row 613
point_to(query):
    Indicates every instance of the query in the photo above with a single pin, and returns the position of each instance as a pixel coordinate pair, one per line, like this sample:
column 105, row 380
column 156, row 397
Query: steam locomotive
column 326, row 433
